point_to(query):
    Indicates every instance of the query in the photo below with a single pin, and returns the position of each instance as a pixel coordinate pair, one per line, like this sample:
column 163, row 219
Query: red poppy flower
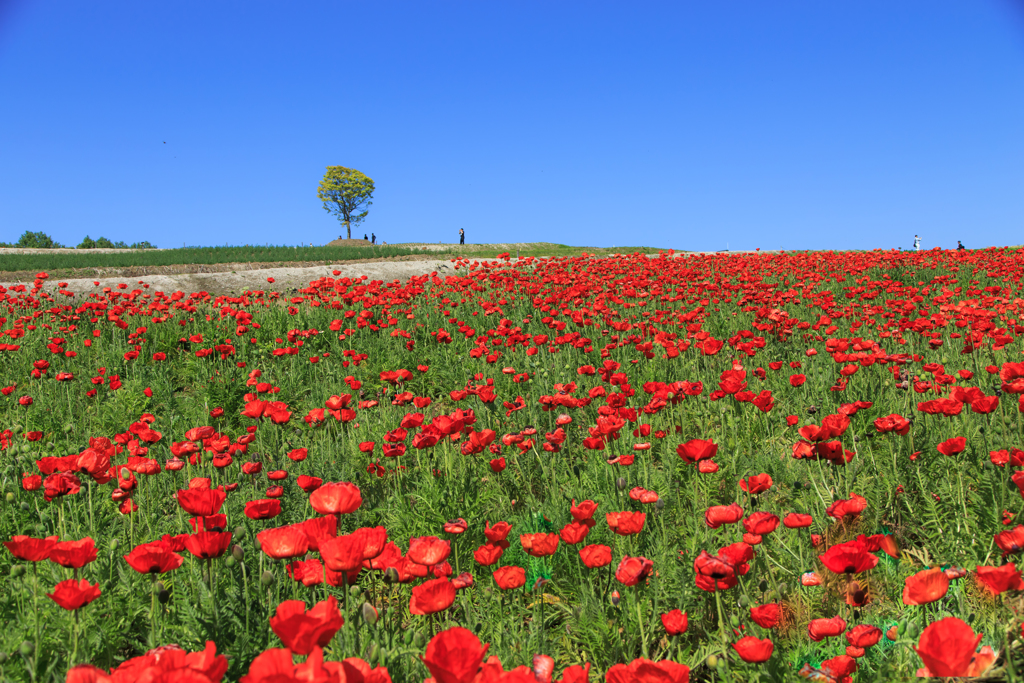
column 539, row 545
column 819, row 629
column 893, row 423
column 576, row 532
column 208, row 544
column 454, row 656
column 308, row 483
column 761, row 523
column 632, row 569
column 585, row 510
column 696, row 450
column 336, row 498
column 490, row 552
column 999, row 579
column 263, row 508
column 73, row 554
column 508, row 578
column 717, row 515
column 310, row 572
column 301, row 631
column 153, row 558
column 283, row 543
column 947, row 646
column 201, row 502
column 73, row 594
column 925, row 586
column 646, row 671
column 796, row 520
column 428, row 550
column 766, row 616
column 342, row 553
column 432, row 596
column 455, row 526
column 319, row 530
column 498, row 532
column 851, row 557
column 1011, row 541
column 626, row 523
column 863, row 636
column 595, row 556
column 758, row 483
column 675, row 622
column 952, row 446
column 752, row 650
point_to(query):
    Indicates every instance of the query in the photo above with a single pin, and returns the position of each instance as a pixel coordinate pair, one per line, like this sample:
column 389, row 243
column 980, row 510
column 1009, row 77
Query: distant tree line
column 40, row 240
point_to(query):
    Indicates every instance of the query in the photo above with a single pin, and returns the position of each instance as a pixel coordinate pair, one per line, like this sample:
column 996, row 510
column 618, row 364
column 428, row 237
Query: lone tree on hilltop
column 346, row 193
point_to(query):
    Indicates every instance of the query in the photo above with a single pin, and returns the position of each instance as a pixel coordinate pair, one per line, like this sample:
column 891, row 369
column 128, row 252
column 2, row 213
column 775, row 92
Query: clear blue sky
column 839, row 124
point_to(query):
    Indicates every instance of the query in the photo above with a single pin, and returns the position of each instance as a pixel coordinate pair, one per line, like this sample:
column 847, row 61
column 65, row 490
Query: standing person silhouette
column 462, row 236
column 365, row 238
column 917, row 243
column 373, row 238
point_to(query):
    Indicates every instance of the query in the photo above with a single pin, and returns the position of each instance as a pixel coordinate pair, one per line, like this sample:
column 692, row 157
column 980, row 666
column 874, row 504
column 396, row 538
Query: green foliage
column 347, row 194
column 199, row 255
column 37, row 240
column 104, row 243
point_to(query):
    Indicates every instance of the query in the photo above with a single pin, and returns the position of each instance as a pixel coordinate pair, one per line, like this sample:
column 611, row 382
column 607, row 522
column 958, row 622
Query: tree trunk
column 348, row 229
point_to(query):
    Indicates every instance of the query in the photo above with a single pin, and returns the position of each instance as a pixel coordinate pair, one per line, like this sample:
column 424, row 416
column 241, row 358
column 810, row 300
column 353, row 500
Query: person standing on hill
column 917, row 243
column 462, row 236
column 373, row 238
column 365, row 238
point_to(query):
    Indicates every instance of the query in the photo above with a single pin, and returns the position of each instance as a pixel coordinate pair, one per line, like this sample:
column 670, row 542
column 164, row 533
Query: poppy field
column 738, row 467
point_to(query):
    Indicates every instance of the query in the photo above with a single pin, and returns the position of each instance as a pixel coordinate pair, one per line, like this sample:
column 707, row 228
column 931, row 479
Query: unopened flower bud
column 391, row 575
column 237, row 552
column 267, row 578
column 621, row 483
column 369, row 613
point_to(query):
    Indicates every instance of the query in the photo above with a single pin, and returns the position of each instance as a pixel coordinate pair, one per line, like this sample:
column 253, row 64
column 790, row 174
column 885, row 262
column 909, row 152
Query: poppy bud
column 660, row 504
column 229, row 561
column 17, row 571
column 763, row 586
column 373, row 654
column 113, row 544
column 735, row 621
column 390, row 576
column 712, row 661
column 418, row 640
column 26, row 648
column 10, row 497
column 237, row 552
column 744, row 601
column 239, row 532
column 615, row 598
column 621, row 483
column 369, row 613
column 162, row 594
column 267, row 579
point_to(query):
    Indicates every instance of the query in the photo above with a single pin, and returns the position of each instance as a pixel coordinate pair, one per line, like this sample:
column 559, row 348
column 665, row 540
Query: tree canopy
column 346, row 193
